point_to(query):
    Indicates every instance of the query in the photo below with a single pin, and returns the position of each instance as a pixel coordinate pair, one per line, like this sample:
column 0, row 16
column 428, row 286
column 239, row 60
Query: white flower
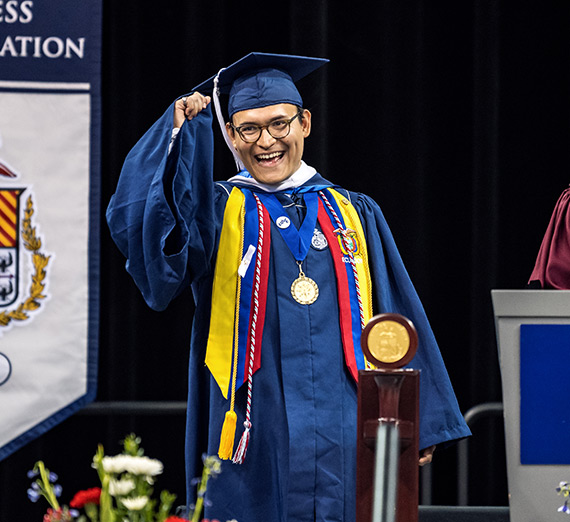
column 121, row 487
column 116, row 464
column 134, row 504
column 131, row 464
column 144, row 466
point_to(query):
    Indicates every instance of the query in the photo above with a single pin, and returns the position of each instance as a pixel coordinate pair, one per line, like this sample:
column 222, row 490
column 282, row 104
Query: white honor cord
column 240, row 166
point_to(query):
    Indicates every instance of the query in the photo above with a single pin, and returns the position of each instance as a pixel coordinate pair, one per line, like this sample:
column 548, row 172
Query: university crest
column 23, row 264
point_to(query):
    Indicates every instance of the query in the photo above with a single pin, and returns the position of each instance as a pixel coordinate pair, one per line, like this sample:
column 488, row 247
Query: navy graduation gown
column 166, row 218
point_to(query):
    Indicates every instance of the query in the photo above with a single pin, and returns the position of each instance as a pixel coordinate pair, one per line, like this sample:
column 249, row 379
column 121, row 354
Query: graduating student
column 286, row 268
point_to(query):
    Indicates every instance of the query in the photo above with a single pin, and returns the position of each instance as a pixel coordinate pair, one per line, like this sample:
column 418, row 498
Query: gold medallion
column 304, row 290
column 388, row 341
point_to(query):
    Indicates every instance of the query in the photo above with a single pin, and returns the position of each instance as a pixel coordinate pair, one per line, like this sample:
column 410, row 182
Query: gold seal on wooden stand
column 388, row 396
column 389, row 340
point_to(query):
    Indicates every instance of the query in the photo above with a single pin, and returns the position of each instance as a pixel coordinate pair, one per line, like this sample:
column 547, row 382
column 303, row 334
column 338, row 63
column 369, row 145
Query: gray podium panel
column 532, row 488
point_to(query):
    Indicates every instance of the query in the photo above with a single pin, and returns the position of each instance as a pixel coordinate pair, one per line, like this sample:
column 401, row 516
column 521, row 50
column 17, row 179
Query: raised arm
column 161, row 215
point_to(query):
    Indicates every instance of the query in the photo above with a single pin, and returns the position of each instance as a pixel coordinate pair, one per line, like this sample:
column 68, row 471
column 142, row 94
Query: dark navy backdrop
column 454, row 116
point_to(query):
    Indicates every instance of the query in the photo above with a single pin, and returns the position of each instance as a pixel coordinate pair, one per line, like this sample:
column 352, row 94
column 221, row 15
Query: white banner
column 49, row 220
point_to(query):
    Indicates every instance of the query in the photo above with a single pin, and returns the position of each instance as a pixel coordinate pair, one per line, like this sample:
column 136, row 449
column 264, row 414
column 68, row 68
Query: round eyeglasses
column 278, row 129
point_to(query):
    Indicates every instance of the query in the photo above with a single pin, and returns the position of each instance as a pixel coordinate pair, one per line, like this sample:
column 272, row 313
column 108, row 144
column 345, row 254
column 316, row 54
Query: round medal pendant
column 304, row 290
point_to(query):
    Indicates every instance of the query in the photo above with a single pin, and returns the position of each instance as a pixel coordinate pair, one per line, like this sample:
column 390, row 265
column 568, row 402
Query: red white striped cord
column 344, row 238
column 241, row 450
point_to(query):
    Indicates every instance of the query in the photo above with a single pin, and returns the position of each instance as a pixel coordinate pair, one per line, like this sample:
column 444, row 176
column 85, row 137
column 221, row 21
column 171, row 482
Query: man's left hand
column 426, row 455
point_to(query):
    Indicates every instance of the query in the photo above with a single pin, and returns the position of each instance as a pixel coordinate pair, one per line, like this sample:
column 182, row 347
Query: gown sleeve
column 441, row 420
column 161, row 216
column 552, row 267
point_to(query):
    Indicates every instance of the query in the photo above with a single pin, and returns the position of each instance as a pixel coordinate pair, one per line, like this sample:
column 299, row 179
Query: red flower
column 86, row 496
column 48, row 516
column 54, row 515
column 175, row 519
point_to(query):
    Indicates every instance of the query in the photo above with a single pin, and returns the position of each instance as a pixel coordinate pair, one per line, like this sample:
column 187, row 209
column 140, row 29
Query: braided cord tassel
column 241, row 450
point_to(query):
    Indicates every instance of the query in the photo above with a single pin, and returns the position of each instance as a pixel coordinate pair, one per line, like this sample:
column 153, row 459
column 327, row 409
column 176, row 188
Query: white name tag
column 245, row 262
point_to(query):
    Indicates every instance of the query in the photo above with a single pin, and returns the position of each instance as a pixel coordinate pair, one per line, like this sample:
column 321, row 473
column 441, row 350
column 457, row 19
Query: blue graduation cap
column 258, row 80
column 261, row 79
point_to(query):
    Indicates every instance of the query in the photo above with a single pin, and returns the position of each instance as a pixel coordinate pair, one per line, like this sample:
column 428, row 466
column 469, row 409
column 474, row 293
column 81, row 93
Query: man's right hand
column 188, row 107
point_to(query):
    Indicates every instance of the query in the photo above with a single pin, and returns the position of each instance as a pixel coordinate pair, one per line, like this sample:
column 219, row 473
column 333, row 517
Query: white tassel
column 216, row 95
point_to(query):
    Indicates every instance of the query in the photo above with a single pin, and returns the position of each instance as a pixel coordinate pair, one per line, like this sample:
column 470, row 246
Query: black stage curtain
column 453, row 115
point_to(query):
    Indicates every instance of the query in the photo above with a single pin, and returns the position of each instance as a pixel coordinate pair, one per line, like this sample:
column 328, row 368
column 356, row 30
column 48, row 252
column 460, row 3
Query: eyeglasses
column 277, row 129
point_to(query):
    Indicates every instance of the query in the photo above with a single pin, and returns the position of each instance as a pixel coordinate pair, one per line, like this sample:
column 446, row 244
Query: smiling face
column 270, row 160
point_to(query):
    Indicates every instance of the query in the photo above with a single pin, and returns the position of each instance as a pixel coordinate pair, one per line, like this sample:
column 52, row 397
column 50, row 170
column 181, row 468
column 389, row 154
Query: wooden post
column 388, row 394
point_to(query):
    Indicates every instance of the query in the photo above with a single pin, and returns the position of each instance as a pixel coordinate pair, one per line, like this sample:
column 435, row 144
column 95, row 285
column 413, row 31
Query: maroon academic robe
column 552, row 267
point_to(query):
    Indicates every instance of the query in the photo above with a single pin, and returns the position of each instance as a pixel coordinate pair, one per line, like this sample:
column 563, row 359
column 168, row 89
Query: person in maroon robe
column 552, row 267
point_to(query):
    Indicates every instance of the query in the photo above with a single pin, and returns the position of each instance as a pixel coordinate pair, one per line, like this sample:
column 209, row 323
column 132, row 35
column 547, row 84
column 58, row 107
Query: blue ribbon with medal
column 303, row 289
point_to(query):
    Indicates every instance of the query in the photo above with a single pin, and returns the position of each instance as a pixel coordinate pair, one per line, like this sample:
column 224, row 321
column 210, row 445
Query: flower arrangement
column 125, row 493
column 564, row 490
